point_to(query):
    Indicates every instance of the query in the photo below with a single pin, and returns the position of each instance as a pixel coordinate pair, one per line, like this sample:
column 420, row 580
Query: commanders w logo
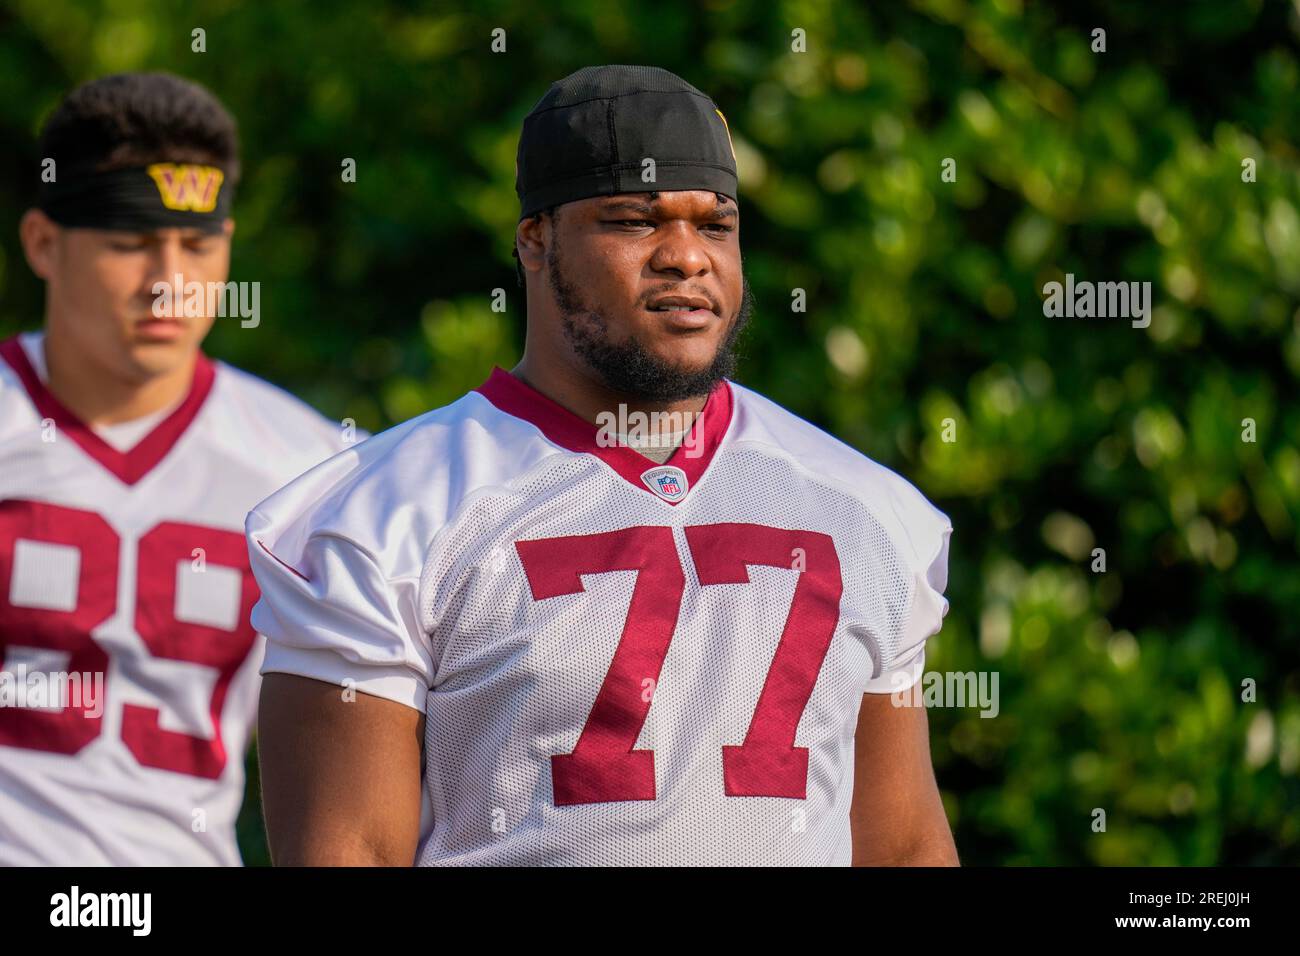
column 187, row 187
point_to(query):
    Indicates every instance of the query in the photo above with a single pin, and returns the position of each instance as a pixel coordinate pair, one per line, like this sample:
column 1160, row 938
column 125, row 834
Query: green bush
column 1120, row 690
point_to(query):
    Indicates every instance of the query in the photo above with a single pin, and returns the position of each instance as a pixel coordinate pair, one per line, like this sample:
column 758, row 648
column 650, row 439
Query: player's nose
column 167, row 261
column 680, row 251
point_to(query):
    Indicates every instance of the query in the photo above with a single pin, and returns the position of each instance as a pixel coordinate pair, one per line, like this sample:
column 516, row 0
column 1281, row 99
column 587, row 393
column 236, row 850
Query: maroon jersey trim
column 131, row 465
column 515, row 397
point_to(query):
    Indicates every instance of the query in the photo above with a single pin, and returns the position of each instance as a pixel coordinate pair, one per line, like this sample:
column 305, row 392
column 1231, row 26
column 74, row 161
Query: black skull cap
column 593, row 132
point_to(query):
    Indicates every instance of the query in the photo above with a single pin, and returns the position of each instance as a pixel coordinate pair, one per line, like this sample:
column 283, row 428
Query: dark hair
column 132, row 119
column 519, row 266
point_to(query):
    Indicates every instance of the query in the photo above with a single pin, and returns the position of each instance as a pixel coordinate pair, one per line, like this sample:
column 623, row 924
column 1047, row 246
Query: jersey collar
column 128, row 466
column 515, row 397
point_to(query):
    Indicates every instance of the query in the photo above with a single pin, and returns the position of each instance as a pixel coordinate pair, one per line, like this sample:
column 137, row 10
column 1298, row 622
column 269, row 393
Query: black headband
column 594, row 130
column 139, row 198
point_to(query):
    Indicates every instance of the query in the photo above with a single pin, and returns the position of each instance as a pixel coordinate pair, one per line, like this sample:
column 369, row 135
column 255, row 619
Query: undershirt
column 658, row 448
column 121, row 435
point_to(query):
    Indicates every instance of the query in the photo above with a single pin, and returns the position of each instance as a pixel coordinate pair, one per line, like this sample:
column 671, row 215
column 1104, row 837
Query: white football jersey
column 128, row 666
column 620, row 663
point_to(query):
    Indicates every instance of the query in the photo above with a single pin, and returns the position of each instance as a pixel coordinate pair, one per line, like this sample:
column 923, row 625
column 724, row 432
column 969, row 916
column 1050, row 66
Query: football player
column 501, row 633
column 128, row 462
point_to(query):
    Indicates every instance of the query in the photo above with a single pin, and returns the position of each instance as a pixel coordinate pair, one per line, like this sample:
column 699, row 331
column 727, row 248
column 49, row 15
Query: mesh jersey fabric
column 451, row 570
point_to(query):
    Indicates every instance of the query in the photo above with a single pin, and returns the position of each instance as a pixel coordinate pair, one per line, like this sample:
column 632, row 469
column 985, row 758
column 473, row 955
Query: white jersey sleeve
column 927, row 533
column 896, row 531
column 336, row 606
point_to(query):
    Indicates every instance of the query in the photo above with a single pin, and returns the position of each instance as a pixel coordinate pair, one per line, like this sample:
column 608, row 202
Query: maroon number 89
column 159, row 551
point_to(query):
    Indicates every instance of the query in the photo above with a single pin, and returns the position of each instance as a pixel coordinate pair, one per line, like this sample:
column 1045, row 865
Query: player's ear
column 531, row 237
column 39, row 235
column 228, row 228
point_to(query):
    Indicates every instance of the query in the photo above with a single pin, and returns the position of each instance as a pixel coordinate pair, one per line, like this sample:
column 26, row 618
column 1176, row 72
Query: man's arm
column 340, row 779
column 897, row 817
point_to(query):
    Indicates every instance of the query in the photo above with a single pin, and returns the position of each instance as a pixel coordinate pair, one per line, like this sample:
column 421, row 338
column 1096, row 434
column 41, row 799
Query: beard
column 627, row 367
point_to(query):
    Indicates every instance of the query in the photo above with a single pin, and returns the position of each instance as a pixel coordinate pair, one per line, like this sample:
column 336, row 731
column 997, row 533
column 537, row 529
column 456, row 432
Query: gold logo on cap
column 728, row 129
column 186, row 186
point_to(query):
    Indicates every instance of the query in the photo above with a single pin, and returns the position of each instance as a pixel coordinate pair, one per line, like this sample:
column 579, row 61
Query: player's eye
column 719, row 227
column 632, row 223
column 127, row 245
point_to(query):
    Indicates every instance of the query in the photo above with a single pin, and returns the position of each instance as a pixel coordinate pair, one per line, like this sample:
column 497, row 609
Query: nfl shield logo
column 666, row 481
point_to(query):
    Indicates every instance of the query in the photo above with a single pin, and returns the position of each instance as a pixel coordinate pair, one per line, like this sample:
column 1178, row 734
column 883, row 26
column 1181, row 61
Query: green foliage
column 1119, row 690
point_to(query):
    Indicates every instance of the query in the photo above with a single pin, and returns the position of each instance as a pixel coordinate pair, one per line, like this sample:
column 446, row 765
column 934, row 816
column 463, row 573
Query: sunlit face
column 649, row 288
column 101, row 296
